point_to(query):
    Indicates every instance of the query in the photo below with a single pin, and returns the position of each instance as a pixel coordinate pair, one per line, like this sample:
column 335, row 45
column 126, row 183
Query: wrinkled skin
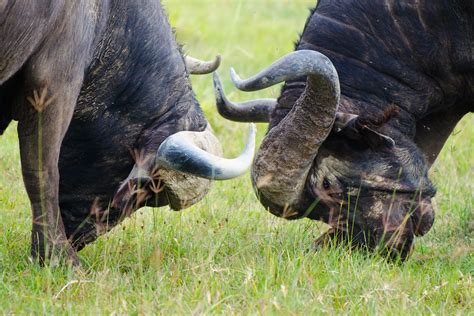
column 373, row 195
column 369, row 180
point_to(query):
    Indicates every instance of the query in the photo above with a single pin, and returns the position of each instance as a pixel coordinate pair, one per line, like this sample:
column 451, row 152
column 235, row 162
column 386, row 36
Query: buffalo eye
column 326, row 184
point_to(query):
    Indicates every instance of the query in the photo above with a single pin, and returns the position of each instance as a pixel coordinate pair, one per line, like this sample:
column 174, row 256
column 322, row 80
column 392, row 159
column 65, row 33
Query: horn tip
column 217, row 61
column 215, row 64
column 236, row 80
column 218, row 90
column 234, row 76
column 216, row 80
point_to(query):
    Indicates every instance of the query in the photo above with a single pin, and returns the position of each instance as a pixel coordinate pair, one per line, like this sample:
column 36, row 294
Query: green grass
column 226, row 254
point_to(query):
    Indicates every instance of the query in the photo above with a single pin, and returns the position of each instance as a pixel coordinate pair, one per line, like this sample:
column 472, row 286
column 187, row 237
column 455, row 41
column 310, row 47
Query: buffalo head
column 353, row 171
column 141, row 158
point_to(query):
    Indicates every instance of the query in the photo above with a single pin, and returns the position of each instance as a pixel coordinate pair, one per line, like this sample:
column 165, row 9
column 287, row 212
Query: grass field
column 226, row 255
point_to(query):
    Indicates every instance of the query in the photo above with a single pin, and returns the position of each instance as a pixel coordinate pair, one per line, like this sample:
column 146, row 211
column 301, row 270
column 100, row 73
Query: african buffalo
column 108, row 121
column 353, row 148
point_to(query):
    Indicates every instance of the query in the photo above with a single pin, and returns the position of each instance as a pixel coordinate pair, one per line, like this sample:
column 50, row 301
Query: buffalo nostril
column 423, row 217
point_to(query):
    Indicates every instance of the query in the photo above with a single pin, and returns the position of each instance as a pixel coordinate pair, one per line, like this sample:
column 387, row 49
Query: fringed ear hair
column 378, row 121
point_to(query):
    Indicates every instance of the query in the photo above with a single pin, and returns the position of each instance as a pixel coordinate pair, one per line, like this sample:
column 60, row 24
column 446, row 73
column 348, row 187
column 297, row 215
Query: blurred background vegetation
column 227, row 255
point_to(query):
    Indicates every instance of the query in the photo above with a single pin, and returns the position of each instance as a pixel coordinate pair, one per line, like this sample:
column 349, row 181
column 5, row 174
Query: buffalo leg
column 53, row 79
column 41, row 134
column 49, row 45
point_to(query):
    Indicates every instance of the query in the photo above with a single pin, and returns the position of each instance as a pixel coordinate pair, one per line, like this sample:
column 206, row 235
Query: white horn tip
column 234, row 76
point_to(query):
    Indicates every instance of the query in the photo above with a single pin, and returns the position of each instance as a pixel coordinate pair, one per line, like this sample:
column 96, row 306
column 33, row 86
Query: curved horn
column 199, row 67
column 182, row 152
column 287, row 152
column 251, row 111
column 294, row 65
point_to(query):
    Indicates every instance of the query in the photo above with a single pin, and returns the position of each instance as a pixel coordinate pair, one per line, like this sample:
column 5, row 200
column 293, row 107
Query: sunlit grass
column 226, row 254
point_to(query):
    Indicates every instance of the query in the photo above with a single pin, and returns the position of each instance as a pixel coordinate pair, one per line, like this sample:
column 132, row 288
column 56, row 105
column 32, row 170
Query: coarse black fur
column 417, row 55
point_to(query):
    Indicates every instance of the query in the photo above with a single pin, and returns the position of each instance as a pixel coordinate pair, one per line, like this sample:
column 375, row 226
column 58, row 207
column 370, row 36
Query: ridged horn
column 288, row 150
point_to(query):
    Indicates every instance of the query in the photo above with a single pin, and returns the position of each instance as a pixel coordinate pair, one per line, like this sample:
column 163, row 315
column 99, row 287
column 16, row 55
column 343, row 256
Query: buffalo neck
column 137, row 67
column 415, row 55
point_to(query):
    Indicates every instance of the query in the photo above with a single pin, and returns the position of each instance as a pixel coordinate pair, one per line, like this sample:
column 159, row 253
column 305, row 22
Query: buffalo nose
column 423, row 217
column 398, row 243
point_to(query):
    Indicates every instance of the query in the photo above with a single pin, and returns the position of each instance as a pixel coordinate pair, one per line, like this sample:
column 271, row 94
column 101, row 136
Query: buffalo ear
column 352, row 126
column 376, row 139
column 343, row 120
